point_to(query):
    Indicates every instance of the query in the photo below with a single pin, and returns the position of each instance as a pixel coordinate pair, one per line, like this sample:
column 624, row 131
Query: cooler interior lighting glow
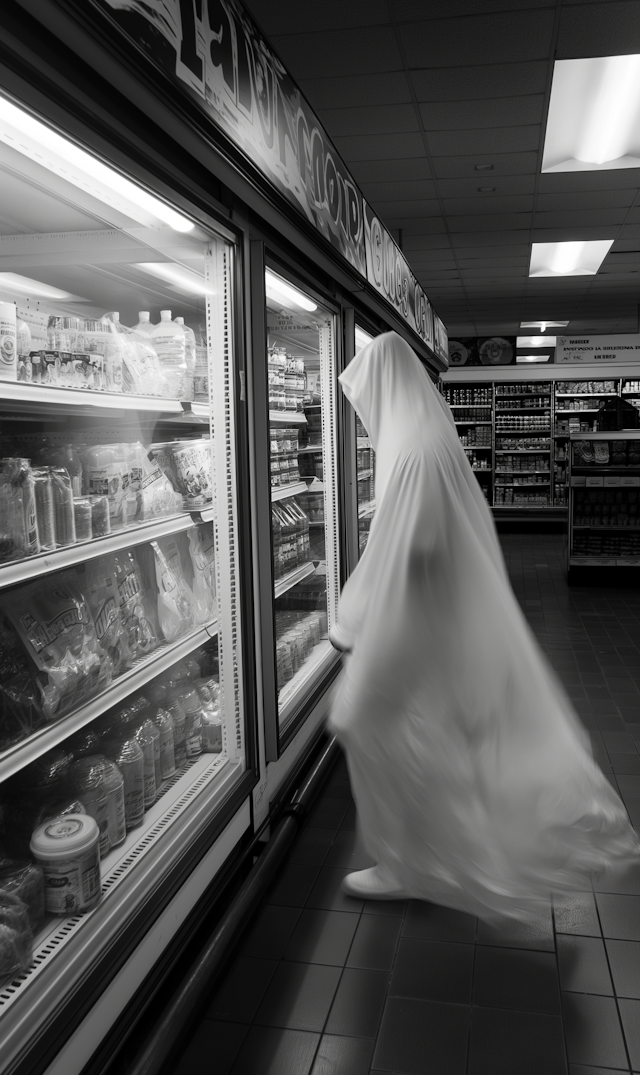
column 575, row 258
column 176, row 276
column 22, row 132
column 594, row 115
column 281, row 291
column 362, row 338
column 23, row 285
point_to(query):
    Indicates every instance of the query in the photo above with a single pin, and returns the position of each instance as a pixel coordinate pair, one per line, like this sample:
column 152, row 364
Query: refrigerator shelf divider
column 45, row 562
column 52, row 398
column 146, row 668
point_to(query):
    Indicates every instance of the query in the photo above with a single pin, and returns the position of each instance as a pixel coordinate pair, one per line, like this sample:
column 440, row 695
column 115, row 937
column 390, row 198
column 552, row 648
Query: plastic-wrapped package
column 202, row 552
column 153, row 494
column 188, row 465
column 45, row 511
column 54, row 622
column 18, row 521
column 106, row 473
column 65, row 522
column 26, row 881
column 20, row 711
column 16, row 938
column 101, row 590
column 135, row 604
column 176, row 606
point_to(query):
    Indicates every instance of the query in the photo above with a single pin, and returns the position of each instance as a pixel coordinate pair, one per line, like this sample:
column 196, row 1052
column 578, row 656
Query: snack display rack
column 604, row 500
column 473, row 412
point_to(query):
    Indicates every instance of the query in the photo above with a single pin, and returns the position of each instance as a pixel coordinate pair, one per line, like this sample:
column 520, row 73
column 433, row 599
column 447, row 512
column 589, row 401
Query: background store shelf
column 283, row 492
column 45, row 562
column 288, row 418
column 145, row 669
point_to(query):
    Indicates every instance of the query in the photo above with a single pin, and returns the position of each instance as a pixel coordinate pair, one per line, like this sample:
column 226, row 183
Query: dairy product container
column 67, row 850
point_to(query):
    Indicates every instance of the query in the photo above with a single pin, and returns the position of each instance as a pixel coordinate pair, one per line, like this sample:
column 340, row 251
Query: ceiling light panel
column 575, row 258
column 594, row 115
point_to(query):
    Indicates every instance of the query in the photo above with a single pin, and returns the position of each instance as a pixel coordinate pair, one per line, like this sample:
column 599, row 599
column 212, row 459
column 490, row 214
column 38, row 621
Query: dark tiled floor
column 325, row 985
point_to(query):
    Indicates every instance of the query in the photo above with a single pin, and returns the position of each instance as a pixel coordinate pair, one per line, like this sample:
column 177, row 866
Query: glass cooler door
column 302, row 428
column 121, row 710
column 365, row 465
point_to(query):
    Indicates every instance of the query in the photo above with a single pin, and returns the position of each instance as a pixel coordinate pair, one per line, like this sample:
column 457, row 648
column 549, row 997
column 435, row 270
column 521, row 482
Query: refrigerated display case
column 604, row 501
column 302, row 430
column 121, row 687
column 365, row 463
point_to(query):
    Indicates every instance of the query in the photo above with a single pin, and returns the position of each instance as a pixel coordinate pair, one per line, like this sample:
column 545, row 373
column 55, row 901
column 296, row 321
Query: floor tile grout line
column 613, row 983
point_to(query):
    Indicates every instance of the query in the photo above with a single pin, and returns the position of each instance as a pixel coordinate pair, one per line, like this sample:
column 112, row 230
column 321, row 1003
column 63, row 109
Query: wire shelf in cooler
column 288, row 418
column 282, row 492
column 308, row 449
column 285, row 583
column 44, row 562
column 144, row 669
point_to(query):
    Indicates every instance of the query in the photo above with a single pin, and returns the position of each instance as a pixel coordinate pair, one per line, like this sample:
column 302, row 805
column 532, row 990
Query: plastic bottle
column 45, row 512
column 190, row 358
column 164, row 723
column 18, row 520
column 179, row 718
column 146, row 738
column 114, row 788
column 23, row 334
column 113, row 375
column 70, row 459
column 63, row 507
column 127, row 754
column 86, row 779
column 8, row 342
column 169, row 340
column 106, row 474
column 189, row 702
column 201, row 376
column 144, row 323
column 211, row 719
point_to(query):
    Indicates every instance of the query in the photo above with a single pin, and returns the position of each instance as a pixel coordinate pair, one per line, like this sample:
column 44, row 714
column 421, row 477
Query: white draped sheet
column 473, row 777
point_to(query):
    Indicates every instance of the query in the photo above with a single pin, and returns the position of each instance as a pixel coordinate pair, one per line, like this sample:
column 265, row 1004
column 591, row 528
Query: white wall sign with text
column 593, row 350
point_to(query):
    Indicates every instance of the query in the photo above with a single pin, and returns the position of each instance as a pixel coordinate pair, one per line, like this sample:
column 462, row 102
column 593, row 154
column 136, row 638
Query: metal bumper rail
column 191, row 994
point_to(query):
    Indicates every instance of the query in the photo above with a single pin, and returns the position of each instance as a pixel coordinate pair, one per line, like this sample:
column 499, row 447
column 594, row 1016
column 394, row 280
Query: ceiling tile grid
column 439, row 107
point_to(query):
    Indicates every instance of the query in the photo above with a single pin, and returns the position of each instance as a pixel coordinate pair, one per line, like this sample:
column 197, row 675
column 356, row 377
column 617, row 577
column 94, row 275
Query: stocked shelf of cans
column 604, row 500
column 459, row 396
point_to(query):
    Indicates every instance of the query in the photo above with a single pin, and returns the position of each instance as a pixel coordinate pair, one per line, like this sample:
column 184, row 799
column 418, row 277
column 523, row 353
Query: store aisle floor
column 326, row 985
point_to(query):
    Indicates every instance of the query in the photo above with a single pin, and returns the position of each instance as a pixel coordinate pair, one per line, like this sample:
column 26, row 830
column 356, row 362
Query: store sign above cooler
column 216, row 51
column 590, row 350
column 388, row 271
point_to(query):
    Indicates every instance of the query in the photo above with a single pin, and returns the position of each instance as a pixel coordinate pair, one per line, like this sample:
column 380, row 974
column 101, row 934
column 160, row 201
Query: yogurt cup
column 67, row 850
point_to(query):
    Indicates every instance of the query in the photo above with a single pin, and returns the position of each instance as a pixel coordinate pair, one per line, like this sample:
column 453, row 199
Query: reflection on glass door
column 302, row 378
column 365, row 465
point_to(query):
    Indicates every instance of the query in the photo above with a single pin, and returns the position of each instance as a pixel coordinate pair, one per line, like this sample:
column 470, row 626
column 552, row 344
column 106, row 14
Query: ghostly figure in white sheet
column 473, row 778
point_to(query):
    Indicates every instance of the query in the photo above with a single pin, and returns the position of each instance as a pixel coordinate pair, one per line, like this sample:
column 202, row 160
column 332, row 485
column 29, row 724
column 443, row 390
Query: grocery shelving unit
column 576, row 405
column 473, row 412
column 523, row 446
column 604, row 501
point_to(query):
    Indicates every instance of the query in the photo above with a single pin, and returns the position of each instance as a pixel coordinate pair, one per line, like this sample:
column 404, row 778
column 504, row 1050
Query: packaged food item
column 188, row 466
column 190, row 358
column 53, row 619
column 86, row 782
column 201, row 374
column 45, row 512
column 189, row 702
column 114, row 354
column 164, row 723
column 126, row 754
column 101, row 590
column 8, row 342
column 23, row 338
column 114, row 788
column 82, row 518
column 63, row 333
column 65, row 522
column 106, row 473
column 211, row 717
column 147, row 734
column 152, row 491
column 176, row 611
column 202, row 552
column 71, row 461
column 67, row 850
column 26, row 881
column 16, row 938
column 18, row 520
column 169, row 341
column 100, row 516
column 135, row 604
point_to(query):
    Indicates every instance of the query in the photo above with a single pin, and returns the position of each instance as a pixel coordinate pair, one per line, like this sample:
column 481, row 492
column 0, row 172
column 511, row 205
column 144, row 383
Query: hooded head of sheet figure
column 473, row 778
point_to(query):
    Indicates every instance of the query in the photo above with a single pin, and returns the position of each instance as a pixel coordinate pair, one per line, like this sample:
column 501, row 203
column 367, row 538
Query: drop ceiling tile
column 633, row 216
column 454, row 167
column 389, row 147
column 495, row 112
column 457, row 42
column 506, row 272
column 485, row 142
column 423, row 207
column 488, row 204
column 569, row 234
column 503, row 222
column 475, row 82
column 408, row 10
column 611, row 179
column 586, row 199
column 387, row 171
column 388, row 192
column 338, row 52
column 475, row 239
column 629, row 231
column 506, row 186
column 292, row 17
column 511, row 250
column 413, row 238
column 382, row 88
column 583, row 218
column 623, row 259
column 598, row 29
column 377, row 120
column 433, row 225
